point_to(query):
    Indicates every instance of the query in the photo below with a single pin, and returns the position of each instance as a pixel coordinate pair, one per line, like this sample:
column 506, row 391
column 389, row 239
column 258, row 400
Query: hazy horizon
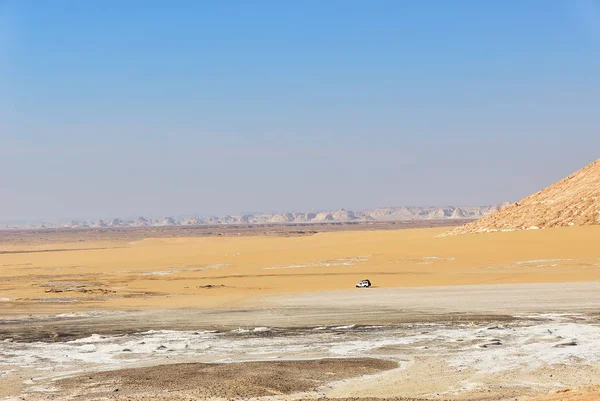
column 106, row 219
column 111, row 109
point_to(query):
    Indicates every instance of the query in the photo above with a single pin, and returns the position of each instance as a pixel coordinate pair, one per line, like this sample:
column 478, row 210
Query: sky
column 114, row 108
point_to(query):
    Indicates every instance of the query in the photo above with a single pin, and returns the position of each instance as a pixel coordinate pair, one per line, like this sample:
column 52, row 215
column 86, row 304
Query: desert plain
column 250, row 314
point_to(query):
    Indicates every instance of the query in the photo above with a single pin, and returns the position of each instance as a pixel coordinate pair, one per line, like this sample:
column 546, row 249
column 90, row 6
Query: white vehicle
column 363, row 284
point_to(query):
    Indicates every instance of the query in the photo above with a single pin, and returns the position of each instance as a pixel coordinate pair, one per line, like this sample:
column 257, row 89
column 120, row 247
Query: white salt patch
column 362, row 347
column 160, row 273
column 88, row 314
column 541, row 261
column 465, row 385
column 426, row 260
column 261, row 329
column 325, row 263
column 533, row 263
column 215, row 266
column 348, row 327
column 558, row 317
column 55, row 300
column 6, row 372
column 287, row 267
column 179, row 269
column 531, row 347
column 518, row 346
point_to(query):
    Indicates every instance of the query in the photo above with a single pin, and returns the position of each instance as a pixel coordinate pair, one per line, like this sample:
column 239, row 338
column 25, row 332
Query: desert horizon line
column 341, row 214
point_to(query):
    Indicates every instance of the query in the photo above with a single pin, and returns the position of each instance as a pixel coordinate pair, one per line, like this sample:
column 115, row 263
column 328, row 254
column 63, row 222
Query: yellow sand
column 244, row 268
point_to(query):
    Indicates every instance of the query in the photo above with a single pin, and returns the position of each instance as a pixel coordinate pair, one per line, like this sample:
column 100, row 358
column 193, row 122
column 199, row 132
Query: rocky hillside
column 573, row 201
column 381, row 214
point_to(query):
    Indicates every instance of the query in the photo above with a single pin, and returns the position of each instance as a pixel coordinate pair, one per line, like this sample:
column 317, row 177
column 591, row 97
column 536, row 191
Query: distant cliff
column 402, row 213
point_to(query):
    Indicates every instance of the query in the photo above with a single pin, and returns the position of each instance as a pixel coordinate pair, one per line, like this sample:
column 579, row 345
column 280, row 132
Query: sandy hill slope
column 573, row 201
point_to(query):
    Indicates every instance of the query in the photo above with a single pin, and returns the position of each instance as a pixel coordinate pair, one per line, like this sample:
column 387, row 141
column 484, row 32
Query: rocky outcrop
column 139, row 222
column 573, row 201
column 282, row 218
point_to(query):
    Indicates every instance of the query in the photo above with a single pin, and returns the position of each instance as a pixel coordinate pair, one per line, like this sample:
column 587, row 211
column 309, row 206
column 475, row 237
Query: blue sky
column 124, row 108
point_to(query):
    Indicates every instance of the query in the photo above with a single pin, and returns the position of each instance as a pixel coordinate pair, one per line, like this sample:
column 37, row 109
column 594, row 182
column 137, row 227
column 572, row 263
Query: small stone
column 572, row 343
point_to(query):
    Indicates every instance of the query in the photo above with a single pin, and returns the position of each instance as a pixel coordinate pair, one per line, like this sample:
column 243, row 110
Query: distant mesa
column 98, row 223
column 324, row 216
column 499, row 206
column 304, row 217
column 367, row 217
column 455, row 214
column 139, row 222
column 248, row 219
column 282, row 218
column 227, row 219
column 393, row 213
column 343, row 215
column 116, row 223
column 402, row 213
column 75, row 224
column 212, row 220
column 194, row 221
column 573, row 201
column 310, row 216
column 166, row 221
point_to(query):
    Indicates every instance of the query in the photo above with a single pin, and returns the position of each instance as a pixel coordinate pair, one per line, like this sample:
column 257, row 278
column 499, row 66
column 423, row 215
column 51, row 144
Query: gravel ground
column 232, row 380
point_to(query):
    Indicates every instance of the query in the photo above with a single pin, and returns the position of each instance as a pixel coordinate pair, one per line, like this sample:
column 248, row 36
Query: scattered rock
column 571, row 343
column 209, row 286
column 493, row 343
